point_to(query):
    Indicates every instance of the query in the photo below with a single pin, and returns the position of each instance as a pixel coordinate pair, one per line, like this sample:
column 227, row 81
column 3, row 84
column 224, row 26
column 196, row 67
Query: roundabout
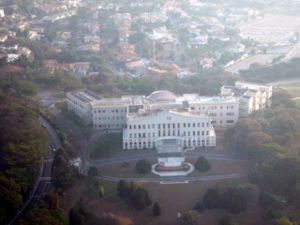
column 113, row 171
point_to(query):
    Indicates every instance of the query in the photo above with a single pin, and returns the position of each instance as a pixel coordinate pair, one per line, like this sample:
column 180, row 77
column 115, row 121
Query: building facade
column 163, row 117
column 147, row 129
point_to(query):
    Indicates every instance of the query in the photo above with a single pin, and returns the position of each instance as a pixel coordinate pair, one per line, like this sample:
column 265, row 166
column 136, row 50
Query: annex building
column 165, row 119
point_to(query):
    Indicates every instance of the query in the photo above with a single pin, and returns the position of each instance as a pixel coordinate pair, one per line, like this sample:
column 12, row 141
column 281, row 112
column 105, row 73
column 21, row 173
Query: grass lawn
column 105, row 145
column 218, row 167
column 293, row 91
column 297, row 103
column 172, row 198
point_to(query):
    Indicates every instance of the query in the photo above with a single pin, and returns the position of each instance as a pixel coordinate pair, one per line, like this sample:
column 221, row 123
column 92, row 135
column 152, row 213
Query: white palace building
column 167, row 122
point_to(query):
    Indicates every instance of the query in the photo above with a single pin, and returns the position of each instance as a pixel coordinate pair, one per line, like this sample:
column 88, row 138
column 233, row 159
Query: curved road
column 164, row 180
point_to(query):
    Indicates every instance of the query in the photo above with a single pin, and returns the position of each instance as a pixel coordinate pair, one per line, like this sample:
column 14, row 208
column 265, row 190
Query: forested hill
column 23, row 143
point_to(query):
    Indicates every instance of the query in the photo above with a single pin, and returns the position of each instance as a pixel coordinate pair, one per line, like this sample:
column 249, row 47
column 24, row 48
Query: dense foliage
column 63, row 173
column 232, row 199
column 270, row 138
column 22, row 145
column 283, row 70
column 137, row 196
column 45, row 211
column 202, row 164
column 143, row 167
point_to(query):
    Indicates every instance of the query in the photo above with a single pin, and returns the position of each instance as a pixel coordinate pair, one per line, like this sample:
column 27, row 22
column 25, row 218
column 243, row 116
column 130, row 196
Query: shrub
column 199, row 207
column 125, row 188
column 143, row 166
column 226, row 220
column 202, row 164
column 140, row 199
column 156, row 211
column 211, row 198
column 189, row 218
column 125, row 164
column 101, row 190
column 93, row 171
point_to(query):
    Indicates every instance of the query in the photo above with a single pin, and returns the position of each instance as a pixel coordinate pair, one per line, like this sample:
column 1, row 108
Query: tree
column 211, row 198
column 189, row 218
column 202, row 164
column 76, row 216
column 143, row 166
column 226, row 220
column 234, row 200
column 140, row 198
column 93, row 171
column 284, row 221
column 125, row 188
column 199, row 207
column 156, row 211
column 101, row 190
column 272, row 205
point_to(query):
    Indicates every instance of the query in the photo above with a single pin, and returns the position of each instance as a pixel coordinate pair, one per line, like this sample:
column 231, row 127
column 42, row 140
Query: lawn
column 293, row 91
column 218, row 167
column 173, row 198
column 105, row 145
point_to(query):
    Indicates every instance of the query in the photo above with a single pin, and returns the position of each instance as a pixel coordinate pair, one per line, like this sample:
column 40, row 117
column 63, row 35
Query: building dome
column 162, row 96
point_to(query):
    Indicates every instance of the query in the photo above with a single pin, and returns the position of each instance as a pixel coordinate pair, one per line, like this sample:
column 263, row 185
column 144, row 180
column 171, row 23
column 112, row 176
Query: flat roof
column 85, row 95
column 194, row 98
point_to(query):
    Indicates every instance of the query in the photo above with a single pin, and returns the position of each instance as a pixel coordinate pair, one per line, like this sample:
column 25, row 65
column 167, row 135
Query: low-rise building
column 252, row 97
column 144, row 130
column 188, row 120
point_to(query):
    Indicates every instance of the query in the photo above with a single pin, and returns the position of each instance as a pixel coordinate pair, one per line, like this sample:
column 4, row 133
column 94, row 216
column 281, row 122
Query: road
column 43, row 183
column 285, row 82
column 172, row 180
column 153, row 155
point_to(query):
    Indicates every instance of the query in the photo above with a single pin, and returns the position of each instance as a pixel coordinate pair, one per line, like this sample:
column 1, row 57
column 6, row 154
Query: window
column 229, row 121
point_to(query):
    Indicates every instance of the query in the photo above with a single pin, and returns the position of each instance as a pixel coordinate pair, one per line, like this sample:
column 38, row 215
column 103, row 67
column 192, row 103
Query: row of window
column 211, row 107
column 169, row 133
column 167, row 125
column 221, row 114
column 110, row 111
column 221, row 121
column 110, row 118
column 109, row 126
column 148, row 145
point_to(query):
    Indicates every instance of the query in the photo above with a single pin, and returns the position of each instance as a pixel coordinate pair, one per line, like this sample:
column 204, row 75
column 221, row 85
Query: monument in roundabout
column 171, row 158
